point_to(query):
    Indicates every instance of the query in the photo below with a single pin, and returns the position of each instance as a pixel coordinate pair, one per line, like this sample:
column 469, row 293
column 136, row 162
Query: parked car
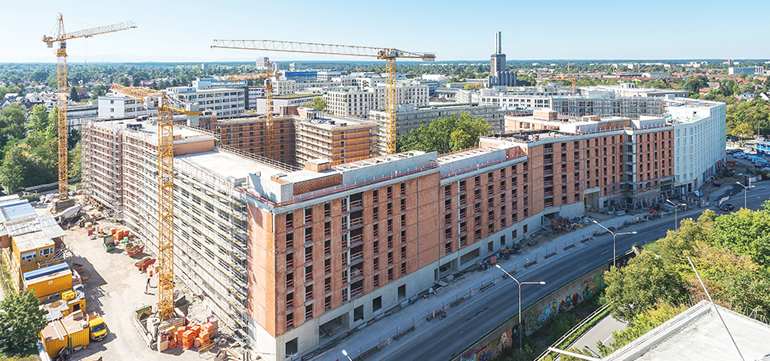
column 727, row 207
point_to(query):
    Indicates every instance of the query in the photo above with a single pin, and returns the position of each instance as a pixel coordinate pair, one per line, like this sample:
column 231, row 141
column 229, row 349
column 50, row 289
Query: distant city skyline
column 454, row 30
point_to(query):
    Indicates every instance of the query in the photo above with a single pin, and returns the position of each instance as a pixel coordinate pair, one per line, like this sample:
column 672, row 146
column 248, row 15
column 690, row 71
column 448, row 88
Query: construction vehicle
column 97, row 327
column 167, row 106
column 61, row 37
column 388, row 54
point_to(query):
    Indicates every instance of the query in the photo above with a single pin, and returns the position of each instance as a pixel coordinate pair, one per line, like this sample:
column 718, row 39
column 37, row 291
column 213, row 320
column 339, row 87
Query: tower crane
column 61, row 37
column 388, row 54
column 167, row 106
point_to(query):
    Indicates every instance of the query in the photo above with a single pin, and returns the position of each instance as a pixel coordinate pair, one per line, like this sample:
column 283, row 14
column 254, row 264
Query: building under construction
column 290, row 256
column 299, row 135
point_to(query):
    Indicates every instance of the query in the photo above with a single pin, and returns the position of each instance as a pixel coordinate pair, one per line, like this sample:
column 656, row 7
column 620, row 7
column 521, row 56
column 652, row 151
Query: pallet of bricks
column 197, row 335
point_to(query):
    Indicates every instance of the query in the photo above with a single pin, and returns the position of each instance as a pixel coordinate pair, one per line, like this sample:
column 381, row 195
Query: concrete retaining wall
column 563, row 299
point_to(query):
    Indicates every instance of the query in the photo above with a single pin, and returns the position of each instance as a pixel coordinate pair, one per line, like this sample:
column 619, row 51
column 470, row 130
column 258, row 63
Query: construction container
column 50, row 285
column 54, row 338
column 77, row 329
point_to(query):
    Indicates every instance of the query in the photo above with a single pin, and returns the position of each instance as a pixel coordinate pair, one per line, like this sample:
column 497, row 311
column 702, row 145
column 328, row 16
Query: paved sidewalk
column 414, row 315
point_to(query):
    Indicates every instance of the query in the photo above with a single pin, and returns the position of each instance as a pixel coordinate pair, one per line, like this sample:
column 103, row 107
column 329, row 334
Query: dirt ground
column 115, row 288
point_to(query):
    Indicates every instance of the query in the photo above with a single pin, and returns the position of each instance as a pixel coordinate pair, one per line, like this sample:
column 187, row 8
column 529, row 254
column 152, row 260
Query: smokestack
column 498, row 41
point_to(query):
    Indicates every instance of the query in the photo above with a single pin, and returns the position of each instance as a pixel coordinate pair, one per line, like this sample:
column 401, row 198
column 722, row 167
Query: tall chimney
column 498, row 40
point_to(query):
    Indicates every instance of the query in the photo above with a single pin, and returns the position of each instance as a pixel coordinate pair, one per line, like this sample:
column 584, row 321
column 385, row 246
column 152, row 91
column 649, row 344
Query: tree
column 74, row 94
column 638, row 286
column 39, row 118
column 318, row 104
column 20, row 321
column 446, row 134
column 12, row 125
column 74, row 160
column 743, row 130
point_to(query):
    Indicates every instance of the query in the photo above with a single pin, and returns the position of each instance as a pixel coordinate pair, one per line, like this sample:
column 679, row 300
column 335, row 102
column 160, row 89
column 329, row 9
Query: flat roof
column 698, row 334
column 148, row 130
column 32, row 241
column 16, row 209
column 226, row 164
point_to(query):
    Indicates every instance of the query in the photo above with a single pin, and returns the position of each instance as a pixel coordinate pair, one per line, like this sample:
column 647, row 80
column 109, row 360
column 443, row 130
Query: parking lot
column 115, row 288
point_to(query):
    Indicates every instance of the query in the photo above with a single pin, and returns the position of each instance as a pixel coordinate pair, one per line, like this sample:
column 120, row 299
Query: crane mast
column 167, row 106
column 61, row 95
column 387, row 54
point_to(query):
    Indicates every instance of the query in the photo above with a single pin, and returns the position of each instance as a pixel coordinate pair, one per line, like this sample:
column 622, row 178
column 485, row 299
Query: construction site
column 274, row 237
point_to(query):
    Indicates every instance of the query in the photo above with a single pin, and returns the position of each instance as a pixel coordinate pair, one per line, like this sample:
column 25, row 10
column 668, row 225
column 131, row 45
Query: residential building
column 113, row 105
column 283, row 101
column 630, row 90
column 700, row 138
column 358, row 103
column 518, row 97
column 607, row 105
column 224, row 101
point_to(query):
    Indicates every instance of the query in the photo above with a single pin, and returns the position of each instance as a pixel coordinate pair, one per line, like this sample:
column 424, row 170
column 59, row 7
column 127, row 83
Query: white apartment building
column 630, row 90
column 328, row 75
column 113, row 105
column 224, row 101
column 518, row 97
column 699, row 140
column 358, row 103
column 284, row 87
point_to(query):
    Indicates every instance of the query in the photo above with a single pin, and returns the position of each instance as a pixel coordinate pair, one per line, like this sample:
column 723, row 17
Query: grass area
column 5, row 277
column 29, row 356
column 550, row 332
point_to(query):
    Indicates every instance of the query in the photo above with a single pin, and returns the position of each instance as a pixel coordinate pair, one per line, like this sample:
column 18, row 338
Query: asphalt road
column 451, row 335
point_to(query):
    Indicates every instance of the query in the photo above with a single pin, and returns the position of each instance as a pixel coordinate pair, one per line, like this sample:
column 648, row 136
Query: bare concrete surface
column 115, row 288
column 601, row 332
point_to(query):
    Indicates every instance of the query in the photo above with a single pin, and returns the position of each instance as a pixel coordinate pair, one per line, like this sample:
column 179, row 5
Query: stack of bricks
column 179, row 335
column 189, row 336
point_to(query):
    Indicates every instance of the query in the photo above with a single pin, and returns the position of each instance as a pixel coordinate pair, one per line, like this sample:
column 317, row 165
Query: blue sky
column 455, row 30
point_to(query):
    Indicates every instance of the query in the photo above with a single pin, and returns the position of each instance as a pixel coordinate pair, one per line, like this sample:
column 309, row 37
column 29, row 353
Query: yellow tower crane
column 61, row 37
column 167, row 106
column 388, row 54
column 268, row 102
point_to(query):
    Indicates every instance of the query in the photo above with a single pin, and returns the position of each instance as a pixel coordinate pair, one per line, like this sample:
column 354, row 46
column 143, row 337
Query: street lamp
column 519, row 283
column 613, row 238
column 745, row 193
column 346, row 355
column 676, row 207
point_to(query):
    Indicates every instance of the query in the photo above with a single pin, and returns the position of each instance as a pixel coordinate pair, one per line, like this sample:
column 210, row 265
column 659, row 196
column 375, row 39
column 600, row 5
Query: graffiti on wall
column 492, row 350
column 536, row 317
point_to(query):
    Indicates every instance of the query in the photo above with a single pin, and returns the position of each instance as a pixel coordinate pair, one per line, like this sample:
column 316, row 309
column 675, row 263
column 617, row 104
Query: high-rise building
column 498, row 76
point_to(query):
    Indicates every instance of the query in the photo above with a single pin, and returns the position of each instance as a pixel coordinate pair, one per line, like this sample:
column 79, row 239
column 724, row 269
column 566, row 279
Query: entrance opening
column 377, row 304
column 291, row 347
column 401, row 293
column 470, row 256
column 329, row 329
column 358, row 313
column 448, row 268
column 490, row 247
